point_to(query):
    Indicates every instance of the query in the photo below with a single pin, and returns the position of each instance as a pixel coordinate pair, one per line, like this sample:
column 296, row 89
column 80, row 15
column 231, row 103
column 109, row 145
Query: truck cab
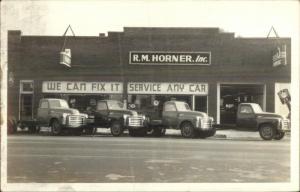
column 250, row 116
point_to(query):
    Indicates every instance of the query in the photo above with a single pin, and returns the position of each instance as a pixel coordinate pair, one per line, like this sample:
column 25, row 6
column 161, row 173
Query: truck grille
column 285, row 125
column 135, row 121
column 207, row 123
column 76, row 121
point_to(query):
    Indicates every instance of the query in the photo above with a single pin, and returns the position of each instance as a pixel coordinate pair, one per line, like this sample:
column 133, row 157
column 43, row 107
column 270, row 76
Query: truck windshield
column 181, row 106
column 256, row 108
column 58, row 104
column 115, row 105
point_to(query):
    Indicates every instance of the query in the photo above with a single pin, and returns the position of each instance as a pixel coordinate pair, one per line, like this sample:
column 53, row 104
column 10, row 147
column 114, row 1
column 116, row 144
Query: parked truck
column 250, row 116
column 178, row 115
column 57, row 114
column 112, row 114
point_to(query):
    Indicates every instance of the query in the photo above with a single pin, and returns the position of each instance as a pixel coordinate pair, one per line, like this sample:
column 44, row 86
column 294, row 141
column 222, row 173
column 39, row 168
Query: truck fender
column 52, row 119
column 185, row 121
column 265, row 123
column 272, row 122
column 115, row 119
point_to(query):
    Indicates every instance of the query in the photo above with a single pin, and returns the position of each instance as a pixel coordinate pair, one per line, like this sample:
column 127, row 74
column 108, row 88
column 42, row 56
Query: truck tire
column 55, row 127
column 116, row 128
column 187, row 130
column 267, row 132
column 279, row 135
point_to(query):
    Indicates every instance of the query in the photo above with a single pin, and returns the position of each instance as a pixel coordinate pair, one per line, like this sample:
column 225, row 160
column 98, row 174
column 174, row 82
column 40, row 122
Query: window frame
column 172, row 105
column 44, row 107
column 105, row 103
column 248, row 106
column 21, row 86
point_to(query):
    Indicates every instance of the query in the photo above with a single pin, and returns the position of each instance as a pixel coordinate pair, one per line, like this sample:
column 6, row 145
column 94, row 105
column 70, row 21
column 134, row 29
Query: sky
column 89, row 18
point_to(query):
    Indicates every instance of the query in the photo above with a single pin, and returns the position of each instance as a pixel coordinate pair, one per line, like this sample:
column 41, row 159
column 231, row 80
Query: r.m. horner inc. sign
column 169, row 58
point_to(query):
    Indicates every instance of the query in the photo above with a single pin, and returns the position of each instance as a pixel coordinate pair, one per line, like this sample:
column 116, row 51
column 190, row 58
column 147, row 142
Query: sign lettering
column 82, row 87
column 169, row 58
column 167, row 88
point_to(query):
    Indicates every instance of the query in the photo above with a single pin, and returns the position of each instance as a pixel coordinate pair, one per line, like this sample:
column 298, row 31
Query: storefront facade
column 211, row 70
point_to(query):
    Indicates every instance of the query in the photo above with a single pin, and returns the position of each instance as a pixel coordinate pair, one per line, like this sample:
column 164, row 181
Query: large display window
column 148, row 102
column 84, row 102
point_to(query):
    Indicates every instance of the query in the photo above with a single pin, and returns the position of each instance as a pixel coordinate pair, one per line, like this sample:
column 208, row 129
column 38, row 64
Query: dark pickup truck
column 111, row 114
column 250, row 116
column 178, row 115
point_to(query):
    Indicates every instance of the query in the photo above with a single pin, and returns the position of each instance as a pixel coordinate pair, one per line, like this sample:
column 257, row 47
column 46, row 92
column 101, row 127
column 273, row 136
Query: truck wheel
column 267, row 132
column 279, row 135
column 187, row 130
column 55, row 127
column 116, row 128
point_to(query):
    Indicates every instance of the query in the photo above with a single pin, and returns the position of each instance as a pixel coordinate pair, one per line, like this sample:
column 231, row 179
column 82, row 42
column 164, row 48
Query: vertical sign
column 279, row 56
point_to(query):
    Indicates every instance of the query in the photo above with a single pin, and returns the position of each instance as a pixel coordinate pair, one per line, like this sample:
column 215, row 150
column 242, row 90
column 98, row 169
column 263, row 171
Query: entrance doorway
column 26, row 108
column 231, row 95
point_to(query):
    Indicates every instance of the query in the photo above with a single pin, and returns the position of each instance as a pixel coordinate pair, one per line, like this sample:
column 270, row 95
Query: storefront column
column 193, row 102
column 270, row 97
column 213, row 101
column 125, row 94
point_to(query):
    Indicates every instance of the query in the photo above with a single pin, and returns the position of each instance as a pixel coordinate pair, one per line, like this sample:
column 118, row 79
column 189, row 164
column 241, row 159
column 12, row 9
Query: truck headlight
column 84, row 115
column 212, row 120
column 64, row 118
column 125, row 119
column 198, row 121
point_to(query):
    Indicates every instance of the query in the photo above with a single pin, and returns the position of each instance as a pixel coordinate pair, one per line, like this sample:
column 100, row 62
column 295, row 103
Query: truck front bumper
column 75, row 121
column 285, row 125
column 135, row 122
column 204, row 124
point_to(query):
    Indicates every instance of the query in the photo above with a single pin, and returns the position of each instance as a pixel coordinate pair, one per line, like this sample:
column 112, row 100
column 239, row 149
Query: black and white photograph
column 153, row 95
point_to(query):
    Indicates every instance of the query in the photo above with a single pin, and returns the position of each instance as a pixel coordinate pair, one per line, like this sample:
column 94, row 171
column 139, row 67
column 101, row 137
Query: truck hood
column 194, row 113
column 266, row 114
column 69, row 110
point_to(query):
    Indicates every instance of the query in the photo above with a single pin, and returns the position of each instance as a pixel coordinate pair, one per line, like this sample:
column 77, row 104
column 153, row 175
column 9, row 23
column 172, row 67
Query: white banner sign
column 82, row 87
column 167, row 88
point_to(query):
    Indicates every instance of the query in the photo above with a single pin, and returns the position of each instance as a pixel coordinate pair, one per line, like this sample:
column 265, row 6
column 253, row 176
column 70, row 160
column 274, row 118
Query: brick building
column 211, row 70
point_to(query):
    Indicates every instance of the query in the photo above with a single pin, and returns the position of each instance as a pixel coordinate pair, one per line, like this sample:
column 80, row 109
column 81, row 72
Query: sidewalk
column 229, row 134
column 220, row 134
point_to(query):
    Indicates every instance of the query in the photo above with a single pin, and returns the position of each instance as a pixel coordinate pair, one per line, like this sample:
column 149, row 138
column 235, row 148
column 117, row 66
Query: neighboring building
column 212, row 70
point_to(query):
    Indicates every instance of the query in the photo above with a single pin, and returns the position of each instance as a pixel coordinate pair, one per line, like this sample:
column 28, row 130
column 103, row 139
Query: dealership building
column 212, row 70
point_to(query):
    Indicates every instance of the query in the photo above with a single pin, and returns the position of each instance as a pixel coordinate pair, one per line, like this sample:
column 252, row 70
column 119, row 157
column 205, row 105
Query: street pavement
column 106, row 159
